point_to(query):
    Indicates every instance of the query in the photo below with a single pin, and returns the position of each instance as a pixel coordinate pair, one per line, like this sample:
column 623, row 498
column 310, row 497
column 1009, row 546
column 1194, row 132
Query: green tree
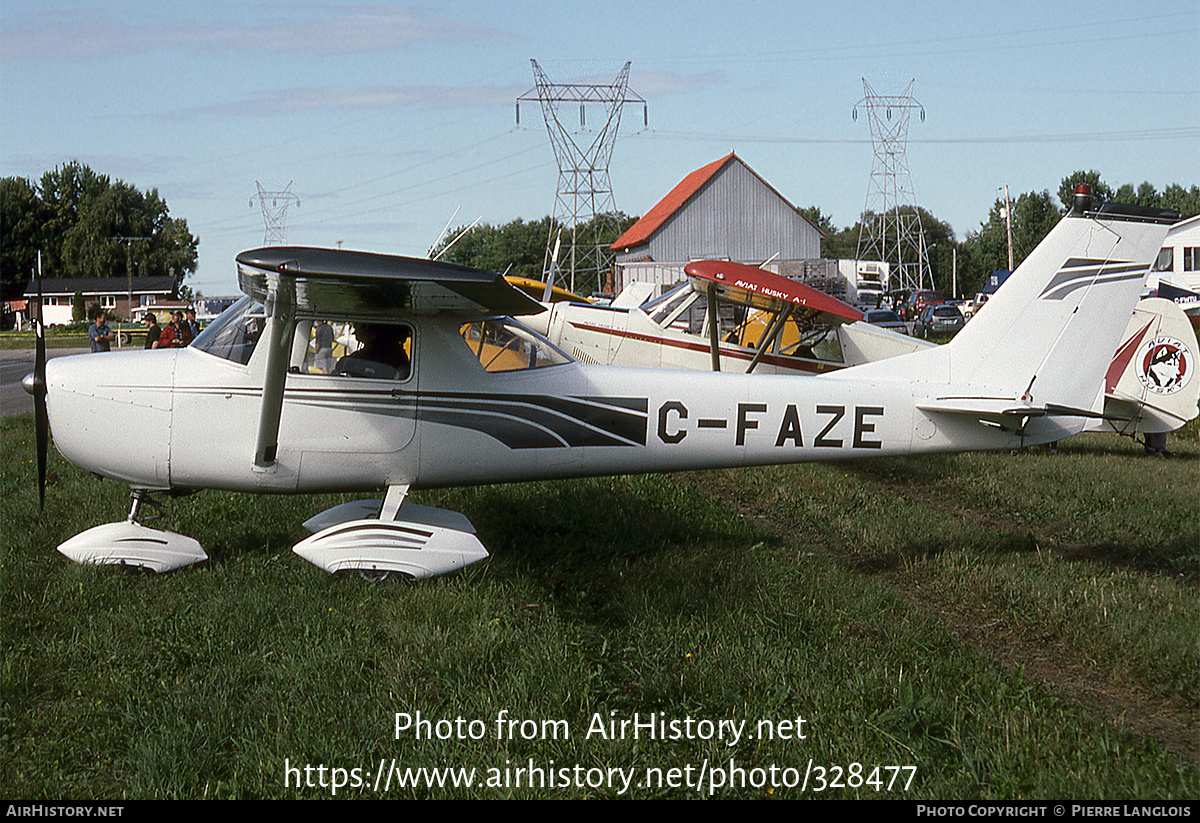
column 87, row 225
column 822, row 221
column 1034, row 214
column 22, row 218
column 1184, row 201
column 518, row 248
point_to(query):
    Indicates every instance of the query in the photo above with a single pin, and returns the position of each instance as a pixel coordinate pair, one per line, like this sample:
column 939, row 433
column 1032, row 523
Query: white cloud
column 285, row 101
column 91, row 34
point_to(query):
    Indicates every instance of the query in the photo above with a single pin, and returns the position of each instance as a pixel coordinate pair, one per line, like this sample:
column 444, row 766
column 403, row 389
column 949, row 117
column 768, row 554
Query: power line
column 584, row 194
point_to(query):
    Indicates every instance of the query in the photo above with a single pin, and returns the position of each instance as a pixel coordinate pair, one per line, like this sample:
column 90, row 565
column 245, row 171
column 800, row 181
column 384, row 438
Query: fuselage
column 475, row 399
column 187, row 419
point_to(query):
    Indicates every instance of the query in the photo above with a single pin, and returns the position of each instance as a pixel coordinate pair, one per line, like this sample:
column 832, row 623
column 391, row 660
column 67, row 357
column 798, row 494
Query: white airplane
column 725, row 317
column 1150, row 385
column 787, row 328
column 449, row 390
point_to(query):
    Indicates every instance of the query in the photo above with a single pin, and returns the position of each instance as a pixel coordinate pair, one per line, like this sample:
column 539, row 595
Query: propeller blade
column 39, row 395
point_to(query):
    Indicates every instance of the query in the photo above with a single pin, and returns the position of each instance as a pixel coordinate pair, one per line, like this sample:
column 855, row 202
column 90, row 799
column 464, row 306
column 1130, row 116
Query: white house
column 1179, row 261
column 121, row 296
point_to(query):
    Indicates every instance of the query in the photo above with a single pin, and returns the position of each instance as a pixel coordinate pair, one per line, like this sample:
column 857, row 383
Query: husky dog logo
column 1164, row 365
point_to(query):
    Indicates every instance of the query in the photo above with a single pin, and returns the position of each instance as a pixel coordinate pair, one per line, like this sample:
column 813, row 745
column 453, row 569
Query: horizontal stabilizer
column 1002, row 406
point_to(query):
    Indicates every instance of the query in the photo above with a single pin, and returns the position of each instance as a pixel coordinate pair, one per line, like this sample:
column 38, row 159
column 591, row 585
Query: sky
column 389, row 121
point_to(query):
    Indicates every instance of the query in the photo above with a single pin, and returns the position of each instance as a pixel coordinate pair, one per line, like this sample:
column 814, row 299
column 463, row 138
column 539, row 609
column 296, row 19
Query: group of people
column 177, row 334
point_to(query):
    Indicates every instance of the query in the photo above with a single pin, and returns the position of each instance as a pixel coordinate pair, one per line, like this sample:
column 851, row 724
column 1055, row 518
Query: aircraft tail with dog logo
column 1029, row 356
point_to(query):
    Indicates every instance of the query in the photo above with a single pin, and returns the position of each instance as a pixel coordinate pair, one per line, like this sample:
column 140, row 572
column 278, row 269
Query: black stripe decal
column 1078, row 273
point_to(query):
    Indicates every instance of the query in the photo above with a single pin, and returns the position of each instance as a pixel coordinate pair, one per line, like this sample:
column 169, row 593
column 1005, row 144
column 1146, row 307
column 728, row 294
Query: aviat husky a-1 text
column 448, row 390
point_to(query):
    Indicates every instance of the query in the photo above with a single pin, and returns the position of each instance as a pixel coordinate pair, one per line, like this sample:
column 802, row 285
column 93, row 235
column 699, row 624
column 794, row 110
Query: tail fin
column 1151, row 385
column 1047, row 336
column 1041, row 345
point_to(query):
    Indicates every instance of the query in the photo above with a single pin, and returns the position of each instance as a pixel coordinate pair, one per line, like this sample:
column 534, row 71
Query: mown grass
column 56, row 338
column 818, row 592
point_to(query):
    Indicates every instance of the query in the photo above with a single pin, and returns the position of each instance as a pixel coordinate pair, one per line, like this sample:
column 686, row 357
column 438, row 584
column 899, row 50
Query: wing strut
column 278, row 338
column 392, row 502
column 768, row 340
column 714, row 328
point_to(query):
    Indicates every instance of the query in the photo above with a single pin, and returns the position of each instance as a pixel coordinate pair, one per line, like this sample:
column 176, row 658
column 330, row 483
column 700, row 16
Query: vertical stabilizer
column 1047, row 336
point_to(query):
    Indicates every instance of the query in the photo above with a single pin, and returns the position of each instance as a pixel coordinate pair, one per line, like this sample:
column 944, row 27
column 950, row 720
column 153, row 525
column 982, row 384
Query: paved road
column 14, row 365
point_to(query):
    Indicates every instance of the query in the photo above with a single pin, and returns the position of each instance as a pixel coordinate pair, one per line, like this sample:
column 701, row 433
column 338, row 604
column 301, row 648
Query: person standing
column 189, row 318
column 183, row 332
column 153, row 330
column 323, row 333
column 100, row 334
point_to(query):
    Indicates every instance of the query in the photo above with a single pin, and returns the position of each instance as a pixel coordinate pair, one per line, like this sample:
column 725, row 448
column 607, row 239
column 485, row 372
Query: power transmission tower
column 583, row 204
column 886, row 232
column 274, row 209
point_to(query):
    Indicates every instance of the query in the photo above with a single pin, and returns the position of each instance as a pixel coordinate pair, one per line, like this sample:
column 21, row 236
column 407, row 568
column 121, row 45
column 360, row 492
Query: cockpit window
column 378, row 350
column 501, row 344
column 235, row 332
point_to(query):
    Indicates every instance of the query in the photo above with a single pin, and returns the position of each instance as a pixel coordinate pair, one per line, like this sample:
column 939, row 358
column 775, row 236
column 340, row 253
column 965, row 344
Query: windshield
column 235, row 332
column 664, row 309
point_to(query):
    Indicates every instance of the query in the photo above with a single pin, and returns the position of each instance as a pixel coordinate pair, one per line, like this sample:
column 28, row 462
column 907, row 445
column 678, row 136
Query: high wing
column 537, row 290
column 769, row 304
column 320, row 281
column 766, row 291
column 292, row 280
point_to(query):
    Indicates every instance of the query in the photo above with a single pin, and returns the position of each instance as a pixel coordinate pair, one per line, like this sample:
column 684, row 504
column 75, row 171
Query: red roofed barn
column 722, row 211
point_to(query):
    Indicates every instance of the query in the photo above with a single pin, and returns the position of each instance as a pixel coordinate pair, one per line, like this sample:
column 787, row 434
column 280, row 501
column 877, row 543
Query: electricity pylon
column 274, row 209
column 886, row 233
column 583, row 202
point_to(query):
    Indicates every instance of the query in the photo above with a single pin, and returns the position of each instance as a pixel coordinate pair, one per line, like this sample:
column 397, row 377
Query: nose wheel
column 133, row 545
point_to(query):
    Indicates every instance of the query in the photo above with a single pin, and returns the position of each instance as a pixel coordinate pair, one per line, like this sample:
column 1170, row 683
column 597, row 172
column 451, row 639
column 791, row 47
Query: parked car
column 974, row 305
column 938, row 319
column 886, row 319
column 919, row 300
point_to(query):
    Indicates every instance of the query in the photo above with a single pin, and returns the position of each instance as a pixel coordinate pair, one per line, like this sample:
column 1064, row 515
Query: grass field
column 988, row 626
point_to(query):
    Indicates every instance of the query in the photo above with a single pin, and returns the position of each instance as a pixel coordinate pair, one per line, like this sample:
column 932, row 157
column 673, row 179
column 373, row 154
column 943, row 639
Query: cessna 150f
column 449, row 390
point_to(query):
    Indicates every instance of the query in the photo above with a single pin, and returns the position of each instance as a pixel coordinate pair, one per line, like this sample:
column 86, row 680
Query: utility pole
column 129, row 266
column 584, row 194
column 1008, row 221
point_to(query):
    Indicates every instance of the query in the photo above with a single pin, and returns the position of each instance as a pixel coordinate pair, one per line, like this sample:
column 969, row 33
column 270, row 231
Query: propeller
column 35, row 384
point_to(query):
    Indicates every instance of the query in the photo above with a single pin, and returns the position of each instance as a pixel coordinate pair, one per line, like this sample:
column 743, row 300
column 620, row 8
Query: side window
column 377, row 350
column 501, row 345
